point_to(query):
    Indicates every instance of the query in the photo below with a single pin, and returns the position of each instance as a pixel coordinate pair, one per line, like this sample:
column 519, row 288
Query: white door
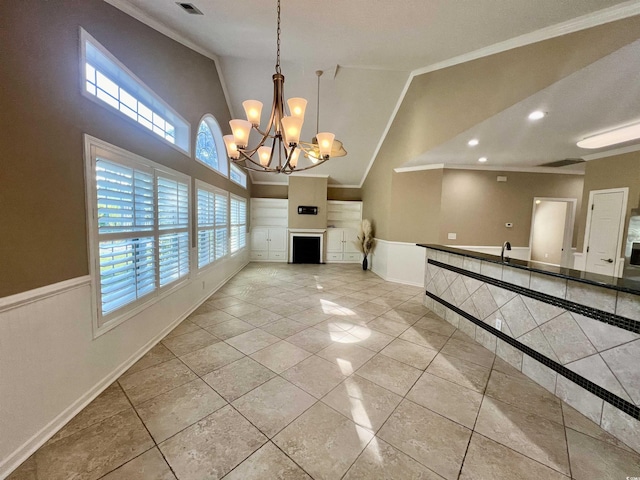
column 259, row 239
column 548, row 231
column 334, row 240
column 278, row 239
column 606, row 218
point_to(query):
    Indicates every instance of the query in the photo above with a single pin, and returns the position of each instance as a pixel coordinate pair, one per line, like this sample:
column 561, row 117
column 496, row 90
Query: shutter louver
column 125, row 198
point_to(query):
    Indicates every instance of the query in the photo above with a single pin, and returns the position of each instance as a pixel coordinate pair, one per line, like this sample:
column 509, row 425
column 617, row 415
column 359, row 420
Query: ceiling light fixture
column 473, row 142
column 337, row 149
column 612, row 137
column 282, row 132
column 482, row 159
column 537, row 115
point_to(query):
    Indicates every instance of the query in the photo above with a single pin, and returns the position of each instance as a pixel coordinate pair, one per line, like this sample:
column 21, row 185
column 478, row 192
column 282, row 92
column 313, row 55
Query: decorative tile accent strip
column 605, row 317
column 625, row 406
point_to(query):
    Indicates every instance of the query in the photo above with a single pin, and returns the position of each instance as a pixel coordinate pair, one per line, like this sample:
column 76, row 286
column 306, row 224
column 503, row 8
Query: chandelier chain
column 278, row 36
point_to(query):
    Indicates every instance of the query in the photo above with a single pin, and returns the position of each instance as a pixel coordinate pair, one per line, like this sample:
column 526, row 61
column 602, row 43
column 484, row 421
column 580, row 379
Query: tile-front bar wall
column 579, row 341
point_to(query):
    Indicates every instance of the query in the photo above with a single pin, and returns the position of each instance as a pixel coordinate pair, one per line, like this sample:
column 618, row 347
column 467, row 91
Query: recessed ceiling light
column 537, row 115
column 473, row 142
column 619, row 135
column 482, row 159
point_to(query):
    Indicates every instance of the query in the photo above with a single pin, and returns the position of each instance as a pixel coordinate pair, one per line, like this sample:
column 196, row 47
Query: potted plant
column 365, row 242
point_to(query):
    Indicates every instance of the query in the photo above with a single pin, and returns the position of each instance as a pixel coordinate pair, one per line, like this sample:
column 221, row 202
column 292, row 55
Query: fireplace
column 306, row 246
column 306, row 249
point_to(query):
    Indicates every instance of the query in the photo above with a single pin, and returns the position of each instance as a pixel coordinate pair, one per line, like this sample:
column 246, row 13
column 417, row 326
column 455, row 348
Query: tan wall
column 308, row 191
column 345, row 194
column 476, row 206
column 44, row 117
column 612, row 172
column 441, row 104
column 416, row 206
column 282, row 191
column 548, row 232
column 269, row 191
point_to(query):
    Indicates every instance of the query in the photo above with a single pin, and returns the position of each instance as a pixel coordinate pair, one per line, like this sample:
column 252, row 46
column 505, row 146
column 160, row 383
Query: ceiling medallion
column 282, row 133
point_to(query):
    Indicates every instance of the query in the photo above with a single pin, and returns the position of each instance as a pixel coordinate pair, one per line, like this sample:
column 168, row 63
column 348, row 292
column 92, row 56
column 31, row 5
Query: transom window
column 110, row 83
column 210, row 148
column 238, row 176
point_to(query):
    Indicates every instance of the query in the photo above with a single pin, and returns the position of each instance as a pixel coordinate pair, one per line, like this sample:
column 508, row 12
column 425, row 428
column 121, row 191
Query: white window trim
column 100, row 324
column 86, row 37
column 233, row 165
column 246, row 222
column 221, row 149
column 200, row 185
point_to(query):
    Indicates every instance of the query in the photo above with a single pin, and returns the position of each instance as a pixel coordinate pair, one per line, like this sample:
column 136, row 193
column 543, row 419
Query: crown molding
column 611, row 153
column 490, row 168
column 606, row 15
column 590, row 20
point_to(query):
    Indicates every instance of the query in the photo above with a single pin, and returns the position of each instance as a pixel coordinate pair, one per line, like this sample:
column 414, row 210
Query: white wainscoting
column 51, row 366
column 398, row 262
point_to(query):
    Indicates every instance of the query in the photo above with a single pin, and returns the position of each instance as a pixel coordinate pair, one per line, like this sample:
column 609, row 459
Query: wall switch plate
column 508, row 225
column 498, row 323
column 452, row 236
column 502, row 178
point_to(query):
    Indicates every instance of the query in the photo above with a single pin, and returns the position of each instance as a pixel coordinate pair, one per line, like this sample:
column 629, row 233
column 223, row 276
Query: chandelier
column 279, row 148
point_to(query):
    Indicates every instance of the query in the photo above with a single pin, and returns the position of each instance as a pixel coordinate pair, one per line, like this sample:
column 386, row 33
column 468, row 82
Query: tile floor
column 324, row 372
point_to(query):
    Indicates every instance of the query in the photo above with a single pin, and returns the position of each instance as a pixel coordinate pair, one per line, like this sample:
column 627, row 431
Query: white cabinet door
column 350, row 237
column 334, row 240
column 278, row 239
column 259, row 238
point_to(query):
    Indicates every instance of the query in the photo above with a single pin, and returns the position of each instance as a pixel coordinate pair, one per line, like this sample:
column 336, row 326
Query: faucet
column 505, row 246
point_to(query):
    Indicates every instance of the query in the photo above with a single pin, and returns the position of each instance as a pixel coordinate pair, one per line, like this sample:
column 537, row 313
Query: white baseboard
column 68, row 293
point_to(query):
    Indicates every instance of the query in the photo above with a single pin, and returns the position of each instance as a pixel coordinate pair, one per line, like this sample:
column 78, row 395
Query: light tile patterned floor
column 325, row 372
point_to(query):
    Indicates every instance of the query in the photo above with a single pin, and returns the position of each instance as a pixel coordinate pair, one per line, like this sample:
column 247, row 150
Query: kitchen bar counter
column 614, row 283
column 575, row 334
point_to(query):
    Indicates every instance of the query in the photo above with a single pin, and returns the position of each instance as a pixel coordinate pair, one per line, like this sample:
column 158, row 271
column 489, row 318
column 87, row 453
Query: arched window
column 210, row 148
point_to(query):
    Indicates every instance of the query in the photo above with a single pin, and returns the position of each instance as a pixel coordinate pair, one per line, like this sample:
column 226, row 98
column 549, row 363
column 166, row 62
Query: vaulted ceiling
column 370, row 51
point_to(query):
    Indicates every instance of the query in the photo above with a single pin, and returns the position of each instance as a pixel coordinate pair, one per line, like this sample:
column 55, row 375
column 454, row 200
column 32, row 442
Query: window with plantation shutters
column 212, row 216
column 173, row 224
column 238, row 223
column 139, row 227
column 125, row 218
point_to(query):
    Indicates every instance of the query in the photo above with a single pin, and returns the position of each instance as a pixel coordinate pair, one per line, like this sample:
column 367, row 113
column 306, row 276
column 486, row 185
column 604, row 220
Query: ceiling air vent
column 563, row 163
column 189, row 8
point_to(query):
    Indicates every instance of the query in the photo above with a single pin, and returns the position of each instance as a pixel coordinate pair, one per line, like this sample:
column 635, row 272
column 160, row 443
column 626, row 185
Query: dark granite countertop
column 620, row 284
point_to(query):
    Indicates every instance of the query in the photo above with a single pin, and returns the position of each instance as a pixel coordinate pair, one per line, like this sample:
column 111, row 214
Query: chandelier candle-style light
column 280, row 147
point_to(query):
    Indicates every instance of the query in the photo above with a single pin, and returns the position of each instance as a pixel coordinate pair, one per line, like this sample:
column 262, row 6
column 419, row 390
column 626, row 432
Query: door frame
column 569, row 227
column 623, row 220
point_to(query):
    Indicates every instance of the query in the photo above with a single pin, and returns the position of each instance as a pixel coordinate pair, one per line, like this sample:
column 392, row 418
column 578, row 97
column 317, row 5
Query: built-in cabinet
column 343, row 224
column 340, row 245
column 269, row 244
column 269, row 234
column 269, row 219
